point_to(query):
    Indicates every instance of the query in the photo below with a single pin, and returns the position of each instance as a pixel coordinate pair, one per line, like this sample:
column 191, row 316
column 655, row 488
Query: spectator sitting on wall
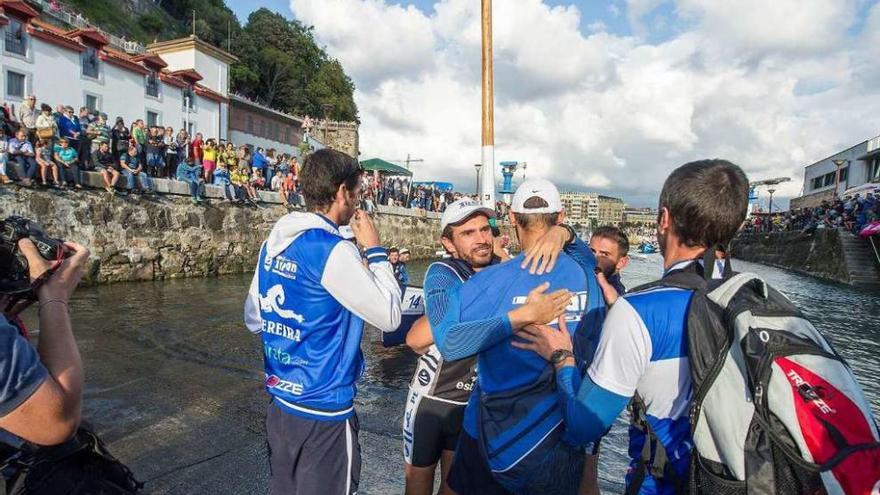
column 260, row 162
column 257, row 181
column 108, row 165
column 154, row 150
column 68, row 163
column 277, row 181
column 188, row 172
column 21, row 151
column 288, row 191
column 222, row 178
column 68, row 127
column 133, row 170
column 4, row 156
column 46, row 160
column 239, row 179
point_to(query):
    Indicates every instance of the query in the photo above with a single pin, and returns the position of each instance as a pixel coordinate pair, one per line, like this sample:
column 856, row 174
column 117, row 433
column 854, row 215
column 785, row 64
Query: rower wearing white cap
column 440, row 389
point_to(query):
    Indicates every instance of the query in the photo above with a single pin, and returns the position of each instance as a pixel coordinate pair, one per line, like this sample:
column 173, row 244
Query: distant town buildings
column 641, row 217
column 585, row 209
column 848, row 171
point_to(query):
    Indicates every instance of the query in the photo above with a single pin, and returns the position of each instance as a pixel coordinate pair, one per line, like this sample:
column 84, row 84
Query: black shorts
column 308, row 456
column 429, row 427
column 469, row 474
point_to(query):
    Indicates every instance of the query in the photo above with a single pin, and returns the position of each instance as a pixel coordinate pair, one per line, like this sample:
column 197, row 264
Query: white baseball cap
column 462, row 209
column 541, row 188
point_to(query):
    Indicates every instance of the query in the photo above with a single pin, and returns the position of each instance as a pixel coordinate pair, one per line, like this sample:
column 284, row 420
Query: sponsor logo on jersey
column 574, row 310
column 284, row 267
column 274, row 382
column 281, row 356
column 424, row 377
column 272, row 302
column 282, row 330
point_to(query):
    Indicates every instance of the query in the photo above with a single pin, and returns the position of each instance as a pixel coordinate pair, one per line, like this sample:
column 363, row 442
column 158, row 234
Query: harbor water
column 174, row 380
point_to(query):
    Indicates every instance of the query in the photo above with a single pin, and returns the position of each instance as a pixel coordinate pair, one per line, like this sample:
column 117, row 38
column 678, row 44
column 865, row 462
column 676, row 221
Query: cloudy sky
column 608, row 96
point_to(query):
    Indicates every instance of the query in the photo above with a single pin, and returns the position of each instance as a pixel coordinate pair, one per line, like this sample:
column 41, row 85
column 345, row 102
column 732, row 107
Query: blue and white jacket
column 309, row 298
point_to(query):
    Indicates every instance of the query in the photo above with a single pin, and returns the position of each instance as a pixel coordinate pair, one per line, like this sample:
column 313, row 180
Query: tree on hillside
column 213, row 18
column 281, row 66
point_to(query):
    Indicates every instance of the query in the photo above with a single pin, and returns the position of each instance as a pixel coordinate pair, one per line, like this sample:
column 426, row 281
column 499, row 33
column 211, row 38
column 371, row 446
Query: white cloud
column 772, row 86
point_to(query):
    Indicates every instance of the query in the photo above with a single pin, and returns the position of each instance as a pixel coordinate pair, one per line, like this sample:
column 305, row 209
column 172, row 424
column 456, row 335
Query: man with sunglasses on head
column 309, row 299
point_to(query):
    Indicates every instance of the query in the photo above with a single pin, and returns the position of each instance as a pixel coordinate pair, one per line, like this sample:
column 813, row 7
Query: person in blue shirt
column 643, row 345
column 69, row 127
column 41, row 386
column 611, row 247
column 402, row 272
column 133, row 171
column 514, row 438
column 259, row 161
column 309, row 299
column 188, row 172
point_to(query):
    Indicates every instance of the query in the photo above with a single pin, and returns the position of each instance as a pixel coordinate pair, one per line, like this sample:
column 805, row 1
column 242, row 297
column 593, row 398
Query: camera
column 14, row 277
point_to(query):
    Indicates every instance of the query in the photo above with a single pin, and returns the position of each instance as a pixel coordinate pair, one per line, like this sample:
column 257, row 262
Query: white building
column 177, row 83
column 847, row 169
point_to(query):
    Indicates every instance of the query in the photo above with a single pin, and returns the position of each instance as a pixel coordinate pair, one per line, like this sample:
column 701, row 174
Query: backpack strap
column 660, row 467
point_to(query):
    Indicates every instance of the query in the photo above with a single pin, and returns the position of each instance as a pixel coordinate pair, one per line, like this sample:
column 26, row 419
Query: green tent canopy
column 384, row 167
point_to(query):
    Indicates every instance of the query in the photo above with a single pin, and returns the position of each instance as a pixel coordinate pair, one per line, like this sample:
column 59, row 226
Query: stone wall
column 340, row 136
column 819, row 254
column 140, row 238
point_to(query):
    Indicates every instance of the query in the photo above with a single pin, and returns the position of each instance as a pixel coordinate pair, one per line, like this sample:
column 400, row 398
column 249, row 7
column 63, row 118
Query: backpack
column 774, row 409
column 80, row 466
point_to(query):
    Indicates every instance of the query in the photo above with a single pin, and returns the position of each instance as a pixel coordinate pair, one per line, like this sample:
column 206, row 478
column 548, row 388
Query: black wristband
column 572, row 235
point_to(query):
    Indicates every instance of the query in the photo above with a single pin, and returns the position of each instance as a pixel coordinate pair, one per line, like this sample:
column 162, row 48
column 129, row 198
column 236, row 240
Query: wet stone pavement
column 174, row 381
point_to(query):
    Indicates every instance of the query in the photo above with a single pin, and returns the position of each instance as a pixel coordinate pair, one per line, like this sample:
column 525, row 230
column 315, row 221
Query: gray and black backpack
column 775, row 409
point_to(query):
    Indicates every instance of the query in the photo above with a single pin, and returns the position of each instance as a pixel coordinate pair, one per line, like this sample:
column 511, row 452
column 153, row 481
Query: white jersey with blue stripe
column 309, row 299
column 645, row 349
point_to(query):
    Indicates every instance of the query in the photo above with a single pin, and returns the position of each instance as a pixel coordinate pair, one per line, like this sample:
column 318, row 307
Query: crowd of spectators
column 53, row 147
column 851, row 213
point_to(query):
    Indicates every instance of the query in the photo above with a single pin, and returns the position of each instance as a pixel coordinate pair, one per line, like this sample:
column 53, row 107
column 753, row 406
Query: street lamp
column 477, row 167
column 770, row 208
column 838, row 163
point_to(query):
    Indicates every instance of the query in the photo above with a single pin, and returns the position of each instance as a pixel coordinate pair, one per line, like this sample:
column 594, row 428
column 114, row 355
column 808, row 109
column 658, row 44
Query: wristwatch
column 560, row 355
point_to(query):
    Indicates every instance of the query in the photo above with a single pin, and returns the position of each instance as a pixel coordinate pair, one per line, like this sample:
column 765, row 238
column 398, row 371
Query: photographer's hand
column 51, row 414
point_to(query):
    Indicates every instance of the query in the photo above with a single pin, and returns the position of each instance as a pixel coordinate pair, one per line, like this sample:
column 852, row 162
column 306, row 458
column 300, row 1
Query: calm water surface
column 174, row 379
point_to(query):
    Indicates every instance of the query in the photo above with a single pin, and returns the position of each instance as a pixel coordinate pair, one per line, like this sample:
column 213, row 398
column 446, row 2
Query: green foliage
column 282, row 66
column 151, row 22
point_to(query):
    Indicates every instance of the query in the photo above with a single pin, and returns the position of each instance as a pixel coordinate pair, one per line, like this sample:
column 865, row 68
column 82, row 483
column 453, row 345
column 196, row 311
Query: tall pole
column 770, row 208
column 487, row 182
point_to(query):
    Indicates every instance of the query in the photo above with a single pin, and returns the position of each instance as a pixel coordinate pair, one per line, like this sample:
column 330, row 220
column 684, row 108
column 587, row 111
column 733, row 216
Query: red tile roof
column 168, row 78
column 210, row 94
column 123, row 60
column 150, row 59
column 88, row 35
column 188, row 74
column 18, row 8
column 51, row 34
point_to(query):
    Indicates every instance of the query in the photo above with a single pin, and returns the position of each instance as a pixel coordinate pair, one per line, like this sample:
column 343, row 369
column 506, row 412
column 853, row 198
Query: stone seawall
column 140, row 238
column 829, row 254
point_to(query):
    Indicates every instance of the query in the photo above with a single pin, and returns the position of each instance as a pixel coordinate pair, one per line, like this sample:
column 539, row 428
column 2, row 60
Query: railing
column 78, row 21
column 874, row 144
column 14, row 43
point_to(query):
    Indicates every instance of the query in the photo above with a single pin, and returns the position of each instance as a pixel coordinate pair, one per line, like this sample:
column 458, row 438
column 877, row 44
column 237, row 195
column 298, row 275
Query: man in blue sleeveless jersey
column 309, row 299
column 440, row 389
column 481, row 319
column 643, row 347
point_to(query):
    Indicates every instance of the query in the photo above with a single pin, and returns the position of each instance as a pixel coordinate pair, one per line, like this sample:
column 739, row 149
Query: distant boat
column 648, row 248
column 412, row 308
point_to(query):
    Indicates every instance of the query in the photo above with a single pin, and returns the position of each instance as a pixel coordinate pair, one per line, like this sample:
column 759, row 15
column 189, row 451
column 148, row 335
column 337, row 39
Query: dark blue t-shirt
column 21, row 371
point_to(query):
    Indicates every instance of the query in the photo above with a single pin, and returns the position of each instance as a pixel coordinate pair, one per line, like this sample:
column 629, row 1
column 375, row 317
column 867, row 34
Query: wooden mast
column 487, row 171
